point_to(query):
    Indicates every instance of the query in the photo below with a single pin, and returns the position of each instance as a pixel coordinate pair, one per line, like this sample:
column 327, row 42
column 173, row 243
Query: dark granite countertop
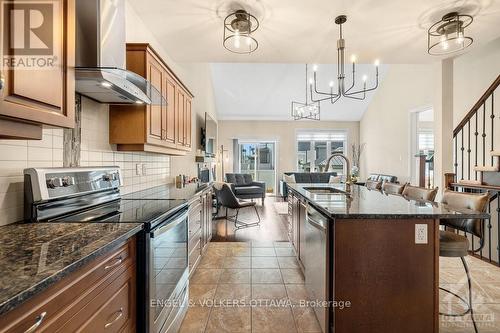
column 370, row 204
column 33, row 256
column 169, row 191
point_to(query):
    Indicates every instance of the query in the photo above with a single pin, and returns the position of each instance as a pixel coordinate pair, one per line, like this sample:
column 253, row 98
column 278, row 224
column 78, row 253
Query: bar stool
column 453, row 245
column 373, row 184
column 419, row 193
column 393, row 188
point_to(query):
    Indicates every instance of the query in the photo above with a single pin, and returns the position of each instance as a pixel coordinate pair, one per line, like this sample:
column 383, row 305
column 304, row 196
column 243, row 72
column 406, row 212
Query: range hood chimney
column 100, row 56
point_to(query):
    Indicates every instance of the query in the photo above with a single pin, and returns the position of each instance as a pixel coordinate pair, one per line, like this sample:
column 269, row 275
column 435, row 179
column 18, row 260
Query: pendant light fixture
column 342, row 89
column 239, row 27
column 308, row 109
column 448, row 35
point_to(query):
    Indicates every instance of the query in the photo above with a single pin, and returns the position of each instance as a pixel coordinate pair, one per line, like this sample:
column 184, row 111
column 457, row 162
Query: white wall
column 283, row 132
column 473, row 73
column 385, row 126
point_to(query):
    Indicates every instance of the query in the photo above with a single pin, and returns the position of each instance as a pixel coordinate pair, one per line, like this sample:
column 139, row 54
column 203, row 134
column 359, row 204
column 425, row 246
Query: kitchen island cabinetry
column 31, row 96
column 162, row 127
column 377, row 253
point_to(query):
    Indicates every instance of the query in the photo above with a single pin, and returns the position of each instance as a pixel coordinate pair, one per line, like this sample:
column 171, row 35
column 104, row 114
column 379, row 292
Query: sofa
column 305, row 178
column 244, row 187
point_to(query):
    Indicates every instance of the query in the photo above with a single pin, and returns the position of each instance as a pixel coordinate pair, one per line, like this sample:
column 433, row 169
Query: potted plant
column 357, row 149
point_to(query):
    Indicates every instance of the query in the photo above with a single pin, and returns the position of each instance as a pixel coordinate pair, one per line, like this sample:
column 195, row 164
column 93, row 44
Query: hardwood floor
column 272, row 226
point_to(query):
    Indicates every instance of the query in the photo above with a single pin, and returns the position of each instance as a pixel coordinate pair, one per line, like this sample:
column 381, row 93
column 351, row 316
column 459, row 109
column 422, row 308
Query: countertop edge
column 376, row 216
column 44, row 284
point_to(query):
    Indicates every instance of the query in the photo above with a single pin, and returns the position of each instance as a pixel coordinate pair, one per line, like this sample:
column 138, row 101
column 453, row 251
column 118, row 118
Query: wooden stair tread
column 482, row 187
column 470, row 182
column 487, row 168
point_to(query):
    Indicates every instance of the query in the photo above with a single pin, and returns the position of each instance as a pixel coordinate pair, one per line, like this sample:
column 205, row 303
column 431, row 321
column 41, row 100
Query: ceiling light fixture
column 448, row 35
column 308, row 110
column 342, row 91
column 238, row 32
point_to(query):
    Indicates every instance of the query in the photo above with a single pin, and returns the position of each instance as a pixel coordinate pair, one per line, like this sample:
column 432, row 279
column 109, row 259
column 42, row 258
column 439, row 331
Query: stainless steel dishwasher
column 316, row 261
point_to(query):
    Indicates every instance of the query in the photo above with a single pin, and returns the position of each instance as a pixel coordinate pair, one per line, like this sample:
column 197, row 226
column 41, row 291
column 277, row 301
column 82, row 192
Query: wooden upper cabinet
column 40, row 93
column 160, row 128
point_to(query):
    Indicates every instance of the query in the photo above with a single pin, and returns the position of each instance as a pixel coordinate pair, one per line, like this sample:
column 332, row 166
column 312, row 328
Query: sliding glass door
column 259, row 160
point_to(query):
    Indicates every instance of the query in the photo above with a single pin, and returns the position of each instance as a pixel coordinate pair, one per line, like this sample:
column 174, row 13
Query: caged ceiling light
column 307, row 110
column 342, row 90
column 448, row 35
column 239, row 27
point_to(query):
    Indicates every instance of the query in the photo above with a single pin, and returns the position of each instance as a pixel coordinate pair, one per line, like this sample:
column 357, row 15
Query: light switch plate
column 421, row 234
column 138, row 169
column 144, row 169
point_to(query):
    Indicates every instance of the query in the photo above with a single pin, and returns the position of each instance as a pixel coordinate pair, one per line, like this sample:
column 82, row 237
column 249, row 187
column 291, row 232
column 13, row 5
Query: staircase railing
column 473, row 139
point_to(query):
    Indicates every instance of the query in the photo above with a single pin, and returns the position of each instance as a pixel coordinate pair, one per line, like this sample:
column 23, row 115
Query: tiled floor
column 485, row 295
column 256, row 287
column 248, row 287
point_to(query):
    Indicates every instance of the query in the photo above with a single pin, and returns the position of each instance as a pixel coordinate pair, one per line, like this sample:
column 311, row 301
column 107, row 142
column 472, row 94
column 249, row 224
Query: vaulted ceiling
column 299, row 31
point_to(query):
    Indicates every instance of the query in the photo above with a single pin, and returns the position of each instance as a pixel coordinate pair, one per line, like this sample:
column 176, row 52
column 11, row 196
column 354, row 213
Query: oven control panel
column 53, row 183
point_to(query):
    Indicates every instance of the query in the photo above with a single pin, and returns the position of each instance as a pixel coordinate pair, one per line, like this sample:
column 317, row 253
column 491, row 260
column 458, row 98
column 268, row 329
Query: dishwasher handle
column 318, row 224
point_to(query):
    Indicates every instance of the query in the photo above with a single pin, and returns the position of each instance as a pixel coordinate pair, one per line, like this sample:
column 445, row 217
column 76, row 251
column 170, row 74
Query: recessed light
column 106, row 84
column 139, row 102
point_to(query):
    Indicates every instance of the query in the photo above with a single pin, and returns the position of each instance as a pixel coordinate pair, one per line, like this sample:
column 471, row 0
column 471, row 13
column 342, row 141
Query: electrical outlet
column 144, row 170
column 421, row 234
column 138, row 169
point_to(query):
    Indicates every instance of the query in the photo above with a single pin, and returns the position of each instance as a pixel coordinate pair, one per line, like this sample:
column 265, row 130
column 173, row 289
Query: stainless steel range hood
column 100, row 56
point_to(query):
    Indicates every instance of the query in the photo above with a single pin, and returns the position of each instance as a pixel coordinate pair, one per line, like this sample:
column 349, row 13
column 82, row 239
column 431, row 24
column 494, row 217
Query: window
column 314, row 148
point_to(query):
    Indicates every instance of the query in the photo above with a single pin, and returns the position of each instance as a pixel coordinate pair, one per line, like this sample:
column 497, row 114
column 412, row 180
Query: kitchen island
column 375, row 254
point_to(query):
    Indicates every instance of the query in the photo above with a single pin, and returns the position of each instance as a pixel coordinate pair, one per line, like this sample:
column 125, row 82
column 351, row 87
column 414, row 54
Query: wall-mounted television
column 209, row 136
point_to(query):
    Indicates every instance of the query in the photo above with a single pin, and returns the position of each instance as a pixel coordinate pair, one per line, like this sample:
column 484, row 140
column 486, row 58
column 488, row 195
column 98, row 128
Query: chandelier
column 342, row 89
column 448, row 35
column 238, row 29
column 306, row 110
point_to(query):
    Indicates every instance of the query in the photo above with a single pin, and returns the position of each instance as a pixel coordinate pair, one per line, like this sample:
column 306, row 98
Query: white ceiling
column 265, row 91
column 299, row 31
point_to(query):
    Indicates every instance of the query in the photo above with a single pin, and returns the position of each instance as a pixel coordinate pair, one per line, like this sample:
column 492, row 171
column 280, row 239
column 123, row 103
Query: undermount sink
column 324, row 190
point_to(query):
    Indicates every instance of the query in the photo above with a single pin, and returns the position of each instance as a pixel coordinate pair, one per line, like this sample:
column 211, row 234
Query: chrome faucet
column 348, row 167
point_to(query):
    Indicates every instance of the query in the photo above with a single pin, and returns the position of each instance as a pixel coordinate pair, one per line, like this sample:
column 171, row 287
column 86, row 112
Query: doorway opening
column 258, row 158
column 422, row 147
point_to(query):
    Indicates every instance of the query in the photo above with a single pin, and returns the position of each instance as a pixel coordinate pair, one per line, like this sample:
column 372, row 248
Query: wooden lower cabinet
column 100, row 297
column 200, row 227
column 159, row 127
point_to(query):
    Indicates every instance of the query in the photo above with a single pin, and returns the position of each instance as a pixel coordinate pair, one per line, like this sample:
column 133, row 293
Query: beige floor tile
column 211, row 262
column 264, row 262
column 205, row 276
column 268, row 291
column 218, row 244
column 288, row 262
column 235, row 275
column 239, row 244
column 266, row 275
column 305, row 320
column 217, row 251
column 292, row 275
column 195, row 320
column 198, row 293
column 296, row 293
column 284, row 252
column 272, row 320
column 229, row 319
column 237, row 262
column 263, row 252
column 239, row 251
column 240, row 293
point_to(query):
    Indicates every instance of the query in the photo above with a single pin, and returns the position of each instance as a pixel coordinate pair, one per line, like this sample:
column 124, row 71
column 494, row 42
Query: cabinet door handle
column 118, row 316
column 118, row 261
column 39, row 321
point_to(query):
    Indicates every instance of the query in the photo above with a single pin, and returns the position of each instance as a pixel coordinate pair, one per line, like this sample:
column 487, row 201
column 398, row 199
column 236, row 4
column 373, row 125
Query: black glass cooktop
column 149, row 212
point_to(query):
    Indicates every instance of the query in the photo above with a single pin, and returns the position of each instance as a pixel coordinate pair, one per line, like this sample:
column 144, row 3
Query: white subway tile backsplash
column 13, row 153
column 39, row 154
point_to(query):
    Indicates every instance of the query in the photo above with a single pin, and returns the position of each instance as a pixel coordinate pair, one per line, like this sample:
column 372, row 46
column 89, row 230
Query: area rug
column 281, row 208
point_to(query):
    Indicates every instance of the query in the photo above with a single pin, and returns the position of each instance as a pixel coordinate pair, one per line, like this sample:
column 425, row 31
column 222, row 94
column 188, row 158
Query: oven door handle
column 176, row 221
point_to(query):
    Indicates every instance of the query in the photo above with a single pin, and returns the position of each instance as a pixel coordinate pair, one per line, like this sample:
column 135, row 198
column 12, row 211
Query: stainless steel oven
column 168, row 273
